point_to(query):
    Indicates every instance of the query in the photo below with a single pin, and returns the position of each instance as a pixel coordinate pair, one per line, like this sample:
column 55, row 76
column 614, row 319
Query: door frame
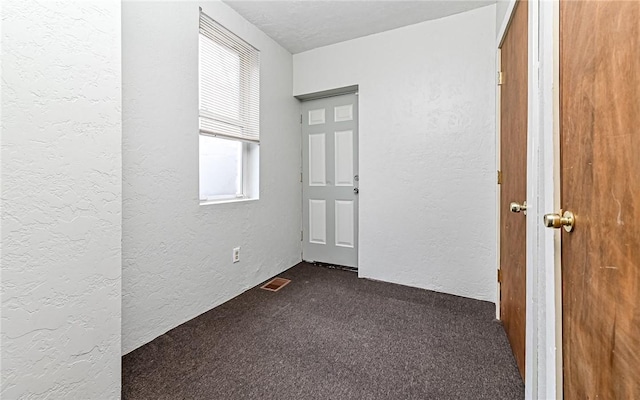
column 543, row 343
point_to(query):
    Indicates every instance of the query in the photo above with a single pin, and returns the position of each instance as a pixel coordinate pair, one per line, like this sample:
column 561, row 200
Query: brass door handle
column 555, row 221
column 516, row 207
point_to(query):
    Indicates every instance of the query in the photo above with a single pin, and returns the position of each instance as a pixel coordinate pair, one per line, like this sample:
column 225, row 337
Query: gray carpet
column 330, row 335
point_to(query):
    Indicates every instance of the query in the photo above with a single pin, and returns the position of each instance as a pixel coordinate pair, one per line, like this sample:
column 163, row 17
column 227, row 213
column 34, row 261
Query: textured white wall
column 502, row 6
column 176, row 253
column 427, row 149
column 61, row 199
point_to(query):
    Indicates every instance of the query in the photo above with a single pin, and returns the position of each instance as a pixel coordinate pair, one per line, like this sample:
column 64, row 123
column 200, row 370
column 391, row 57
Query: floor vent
column 275, row 284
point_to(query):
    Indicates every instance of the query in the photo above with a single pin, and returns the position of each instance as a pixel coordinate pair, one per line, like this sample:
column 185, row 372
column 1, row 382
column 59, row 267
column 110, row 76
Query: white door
column 330, row 180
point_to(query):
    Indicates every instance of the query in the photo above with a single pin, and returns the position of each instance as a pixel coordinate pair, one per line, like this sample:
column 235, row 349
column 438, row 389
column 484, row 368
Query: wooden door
column 600, row 184
column 513, row 167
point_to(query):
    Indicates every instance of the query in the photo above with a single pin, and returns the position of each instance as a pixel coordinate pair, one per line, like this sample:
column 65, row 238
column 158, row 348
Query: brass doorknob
column 555, row 221
column 516, row 207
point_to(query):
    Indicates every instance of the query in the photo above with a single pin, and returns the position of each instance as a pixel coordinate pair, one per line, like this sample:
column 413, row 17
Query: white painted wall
column 503, row 14
column 176, row 253
column 427, row 149
column 61, row 199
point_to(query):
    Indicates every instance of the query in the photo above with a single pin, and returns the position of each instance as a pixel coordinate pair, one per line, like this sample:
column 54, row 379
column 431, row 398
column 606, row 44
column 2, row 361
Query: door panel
column 344, row 158
column 317, row 159
column 330, row 165
column 345, row 216
column 600, row 184
column 317, row 221
column 513, row 160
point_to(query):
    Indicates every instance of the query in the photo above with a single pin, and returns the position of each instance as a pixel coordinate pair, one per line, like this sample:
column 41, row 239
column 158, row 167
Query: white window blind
column 229, row 84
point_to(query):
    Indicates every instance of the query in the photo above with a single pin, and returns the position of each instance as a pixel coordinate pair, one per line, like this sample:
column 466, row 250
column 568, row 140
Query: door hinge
column 500, row 78
column 300, row 176
column 301, row 236
column 300, row 118
column 499, row 177
column 499, row 275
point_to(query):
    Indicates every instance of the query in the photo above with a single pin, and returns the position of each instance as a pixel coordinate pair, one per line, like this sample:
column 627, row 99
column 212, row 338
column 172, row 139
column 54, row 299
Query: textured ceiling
column 301, row 25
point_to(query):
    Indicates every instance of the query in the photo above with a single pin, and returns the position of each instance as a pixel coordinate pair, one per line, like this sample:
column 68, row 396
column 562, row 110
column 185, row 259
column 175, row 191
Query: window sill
column 225, row 201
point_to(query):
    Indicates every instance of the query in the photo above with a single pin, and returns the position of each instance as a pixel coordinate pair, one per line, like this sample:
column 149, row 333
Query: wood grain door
column 600, row 184
column 513, row 167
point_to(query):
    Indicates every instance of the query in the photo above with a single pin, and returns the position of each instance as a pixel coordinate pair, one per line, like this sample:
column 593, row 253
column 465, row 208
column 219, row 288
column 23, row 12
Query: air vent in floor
column 275, row 284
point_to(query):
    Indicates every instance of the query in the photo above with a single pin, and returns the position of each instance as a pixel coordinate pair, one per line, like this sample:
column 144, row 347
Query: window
column 229, row 116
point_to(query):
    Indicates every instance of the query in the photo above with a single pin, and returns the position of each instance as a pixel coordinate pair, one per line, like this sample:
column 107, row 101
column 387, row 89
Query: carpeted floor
column 330, row 335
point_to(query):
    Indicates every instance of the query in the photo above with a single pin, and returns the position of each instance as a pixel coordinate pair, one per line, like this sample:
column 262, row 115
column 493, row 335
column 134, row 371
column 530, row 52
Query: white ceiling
column 301, row 25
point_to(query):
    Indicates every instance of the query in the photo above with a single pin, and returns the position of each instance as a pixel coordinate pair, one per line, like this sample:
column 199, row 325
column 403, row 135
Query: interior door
column 330, row 180
column 600, row 184
column 513, row 188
